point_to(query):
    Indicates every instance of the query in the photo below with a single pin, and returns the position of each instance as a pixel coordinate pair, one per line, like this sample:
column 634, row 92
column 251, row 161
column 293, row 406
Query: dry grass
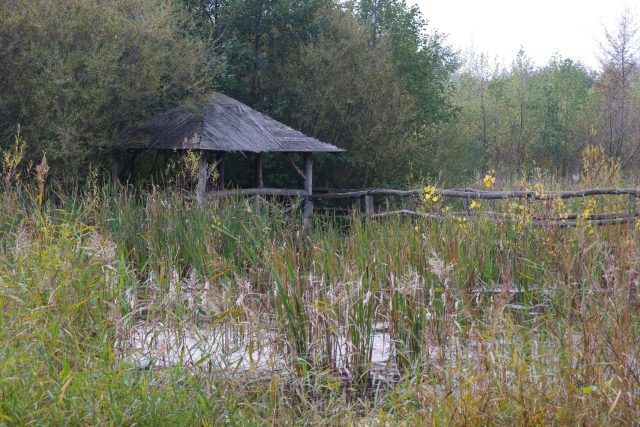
column 145, row 308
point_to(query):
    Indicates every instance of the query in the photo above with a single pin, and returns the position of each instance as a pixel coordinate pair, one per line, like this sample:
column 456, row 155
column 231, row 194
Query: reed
column 244, row 318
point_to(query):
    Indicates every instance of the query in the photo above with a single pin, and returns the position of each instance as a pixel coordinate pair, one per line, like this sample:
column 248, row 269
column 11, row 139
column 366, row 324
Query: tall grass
column 483, row 323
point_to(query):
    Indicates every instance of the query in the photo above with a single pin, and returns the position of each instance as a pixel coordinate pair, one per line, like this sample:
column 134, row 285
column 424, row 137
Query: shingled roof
column 224, row 124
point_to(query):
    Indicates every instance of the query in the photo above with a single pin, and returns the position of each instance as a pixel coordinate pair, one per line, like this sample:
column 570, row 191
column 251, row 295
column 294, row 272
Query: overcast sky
column 572, row 28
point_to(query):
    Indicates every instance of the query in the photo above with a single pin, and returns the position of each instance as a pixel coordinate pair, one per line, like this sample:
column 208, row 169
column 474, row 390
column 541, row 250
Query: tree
column 421, row 58
column 515, row 117
column 561, row 98
column 520, row 85
column 472, row 97
column 76, row 73
column 617, row 109
column 258, row 38
column 344, row 89
column 367, row 77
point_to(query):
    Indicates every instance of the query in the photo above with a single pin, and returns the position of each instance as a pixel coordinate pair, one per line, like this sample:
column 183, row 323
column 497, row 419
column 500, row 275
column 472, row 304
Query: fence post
column 368, row 205
column 633, row 209
column 633, row 286
column 466, row 202
column 410, row 204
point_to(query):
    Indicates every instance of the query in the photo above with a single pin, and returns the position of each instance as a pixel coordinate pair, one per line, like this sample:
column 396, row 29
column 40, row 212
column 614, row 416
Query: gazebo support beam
column 308, row 187
column 295, row 167
column 203, row 177
column 258, row 179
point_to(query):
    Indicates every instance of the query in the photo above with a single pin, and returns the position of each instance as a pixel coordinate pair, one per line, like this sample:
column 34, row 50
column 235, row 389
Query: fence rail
column 274, row 192
column 481, row 194
column 460, row 193
column 572, row 220
column 467, row 194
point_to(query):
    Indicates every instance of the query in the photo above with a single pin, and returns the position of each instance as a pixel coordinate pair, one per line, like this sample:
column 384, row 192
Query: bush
column 76, row 73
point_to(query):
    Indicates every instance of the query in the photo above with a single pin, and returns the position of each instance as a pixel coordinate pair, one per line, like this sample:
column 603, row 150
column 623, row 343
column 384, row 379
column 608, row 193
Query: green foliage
column 368, row 76
column 520, row 117
column 76, row 74
column 365, row 77
column 259, row 39
column 423, row 61
column 363, row 115
column 562, row 94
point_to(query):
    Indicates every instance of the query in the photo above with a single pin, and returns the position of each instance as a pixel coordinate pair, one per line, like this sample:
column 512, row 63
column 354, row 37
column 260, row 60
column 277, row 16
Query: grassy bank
column 104, row 293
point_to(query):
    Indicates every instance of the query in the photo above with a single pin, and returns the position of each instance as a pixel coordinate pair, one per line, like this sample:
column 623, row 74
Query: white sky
column 572, row 28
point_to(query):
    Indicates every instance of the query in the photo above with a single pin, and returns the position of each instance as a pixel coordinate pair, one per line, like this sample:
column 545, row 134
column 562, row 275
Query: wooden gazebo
column 227, row 125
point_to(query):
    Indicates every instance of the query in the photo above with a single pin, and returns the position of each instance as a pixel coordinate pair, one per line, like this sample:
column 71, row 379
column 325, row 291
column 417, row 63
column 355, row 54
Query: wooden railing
column 467, row 195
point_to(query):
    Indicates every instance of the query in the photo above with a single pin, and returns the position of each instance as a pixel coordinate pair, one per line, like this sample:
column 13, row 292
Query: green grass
column 81, row 272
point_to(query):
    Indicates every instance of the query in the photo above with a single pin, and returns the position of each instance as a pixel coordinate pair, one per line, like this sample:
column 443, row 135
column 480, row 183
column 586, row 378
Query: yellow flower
column 447, row 208
column 430, row 194
column 417, row 228
column 489, row 180
column 474, row 205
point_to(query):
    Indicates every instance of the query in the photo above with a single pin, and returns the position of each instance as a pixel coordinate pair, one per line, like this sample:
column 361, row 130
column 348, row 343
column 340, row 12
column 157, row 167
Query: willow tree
column 344, row 89
column 74, row 74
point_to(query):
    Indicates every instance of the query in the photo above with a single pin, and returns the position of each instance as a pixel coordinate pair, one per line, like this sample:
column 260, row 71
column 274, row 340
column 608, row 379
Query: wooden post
column 467, row 204
column 308, row 188
column 410, row 204
column 368, row 205
column 633, row 284
column 258, row 180
column 203, row 177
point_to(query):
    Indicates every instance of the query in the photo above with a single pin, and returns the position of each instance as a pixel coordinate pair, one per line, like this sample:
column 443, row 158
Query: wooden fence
column 466, row 194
